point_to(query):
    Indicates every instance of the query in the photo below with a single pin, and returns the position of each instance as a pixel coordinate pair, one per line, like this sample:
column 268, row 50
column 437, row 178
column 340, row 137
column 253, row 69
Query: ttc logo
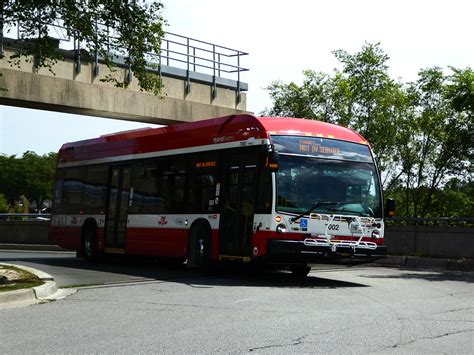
column 163, row 221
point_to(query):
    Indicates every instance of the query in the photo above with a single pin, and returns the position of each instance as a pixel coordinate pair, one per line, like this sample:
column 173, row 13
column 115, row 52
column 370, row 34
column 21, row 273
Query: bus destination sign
column 322, row 147
column 311, row 146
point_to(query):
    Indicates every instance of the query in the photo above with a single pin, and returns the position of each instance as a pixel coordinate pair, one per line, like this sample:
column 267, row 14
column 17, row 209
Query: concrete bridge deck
column 187, row 95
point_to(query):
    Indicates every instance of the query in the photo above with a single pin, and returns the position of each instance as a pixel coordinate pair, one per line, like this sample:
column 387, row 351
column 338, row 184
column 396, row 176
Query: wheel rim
column 201, row 247
column 88, row 245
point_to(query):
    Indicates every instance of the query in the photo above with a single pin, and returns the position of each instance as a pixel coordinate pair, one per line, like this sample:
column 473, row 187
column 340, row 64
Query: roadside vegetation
column 13, row 278
column 25, row 179
column 105, row 29
column 422, row 132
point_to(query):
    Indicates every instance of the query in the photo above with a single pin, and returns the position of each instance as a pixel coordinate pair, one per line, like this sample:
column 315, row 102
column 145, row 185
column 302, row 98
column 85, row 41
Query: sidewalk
column 39, row 247
column 416, row 262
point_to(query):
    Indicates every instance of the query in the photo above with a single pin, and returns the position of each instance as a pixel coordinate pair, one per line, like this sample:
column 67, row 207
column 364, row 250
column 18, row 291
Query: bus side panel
column 67, row 237
column 215, row 244
column 157, row 242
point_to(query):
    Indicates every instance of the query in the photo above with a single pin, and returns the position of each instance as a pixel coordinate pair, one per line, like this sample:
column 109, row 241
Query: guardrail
column 177, row 51
column 431, row 221
column 25, row 216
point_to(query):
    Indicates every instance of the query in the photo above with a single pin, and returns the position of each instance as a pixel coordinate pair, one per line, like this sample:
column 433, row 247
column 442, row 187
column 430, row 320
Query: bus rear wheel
column 199, row 254
column 89, row 244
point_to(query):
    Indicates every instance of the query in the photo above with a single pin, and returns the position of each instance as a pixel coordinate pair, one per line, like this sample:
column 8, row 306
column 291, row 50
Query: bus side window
column 73, row 187
column 202, row 187
column 145, row 198
column 95, row 189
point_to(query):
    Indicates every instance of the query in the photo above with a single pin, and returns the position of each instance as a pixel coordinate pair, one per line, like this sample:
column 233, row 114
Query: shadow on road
column 434, row 276
column 123, row 270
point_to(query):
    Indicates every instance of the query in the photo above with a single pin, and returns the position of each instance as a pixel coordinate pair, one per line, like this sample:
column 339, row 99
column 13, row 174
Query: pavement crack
column 398, row 345
column 455, row 310
column 302, row 339
column 297, row 341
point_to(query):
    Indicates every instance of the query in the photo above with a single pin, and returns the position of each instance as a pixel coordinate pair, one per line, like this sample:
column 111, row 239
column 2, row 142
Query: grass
column 26, row 280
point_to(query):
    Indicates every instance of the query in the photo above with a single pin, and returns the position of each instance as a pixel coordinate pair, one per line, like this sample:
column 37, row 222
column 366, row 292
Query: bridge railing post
column 187, row 85
column 214, row 87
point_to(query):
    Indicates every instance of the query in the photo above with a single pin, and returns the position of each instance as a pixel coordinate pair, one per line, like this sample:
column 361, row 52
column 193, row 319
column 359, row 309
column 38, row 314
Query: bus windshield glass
column 328, row 185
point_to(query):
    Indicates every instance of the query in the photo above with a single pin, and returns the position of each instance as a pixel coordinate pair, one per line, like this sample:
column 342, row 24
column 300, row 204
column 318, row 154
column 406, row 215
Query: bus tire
column 89, row 244
column 300, row 271
column 200, row 248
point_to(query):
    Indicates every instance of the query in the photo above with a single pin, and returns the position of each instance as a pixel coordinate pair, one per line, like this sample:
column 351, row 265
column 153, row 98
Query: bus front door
column 237, row 205
column 118, row 195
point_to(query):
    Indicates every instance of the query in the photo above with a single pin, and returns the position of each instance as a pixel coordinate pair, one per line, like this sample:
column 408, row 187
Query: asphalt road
column 68, row 270
column 173, row 310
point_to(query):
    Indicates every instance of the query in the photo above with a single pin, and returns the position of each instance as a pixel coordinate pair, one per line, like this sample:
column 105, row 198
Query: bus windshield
column 329, row 186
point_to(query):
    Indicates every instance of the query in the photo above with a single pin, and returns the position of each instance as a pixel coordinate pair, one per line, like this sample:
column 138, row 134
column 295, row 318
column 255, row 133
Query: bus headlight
column 281, row 228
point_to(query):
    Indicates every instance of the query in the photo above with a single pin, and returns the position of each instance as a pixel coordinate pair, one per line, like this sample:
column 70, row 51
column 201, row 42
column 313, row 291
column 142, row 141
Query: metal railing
column 189, row 54
column 25, row 216
column 431, row 221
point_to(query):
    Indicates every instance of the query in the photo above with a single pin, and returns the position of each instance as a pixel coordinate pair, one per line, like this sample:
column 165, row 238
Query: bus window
column 145, row 197
column 73, row 187
column 202, row 190
column 95, row 189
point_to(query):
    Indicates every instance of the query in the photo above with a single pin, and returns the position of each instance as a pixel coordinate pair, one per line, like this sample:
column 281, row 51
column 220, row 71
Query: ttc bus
column 282, row 191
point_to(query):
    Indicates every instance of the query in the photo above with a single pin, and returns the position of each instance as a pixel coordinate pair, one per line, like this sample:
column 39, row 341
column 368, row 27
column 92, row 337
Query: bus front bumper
column 296, row 251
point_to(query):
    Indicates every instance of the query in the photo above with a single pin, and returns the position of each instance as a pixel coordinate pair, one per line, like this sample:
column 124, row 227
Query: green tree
column 11, row 178
column 129, row 28
column 442, row 141
column 421, row 132
column 361, row 96
column 3, row 204
column 38, row 175
column 31, row 176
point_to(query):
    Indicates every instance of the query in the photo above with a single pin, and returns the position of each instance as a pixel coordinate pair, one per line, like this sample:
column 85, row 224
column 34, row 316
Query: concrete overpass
column 191, row 70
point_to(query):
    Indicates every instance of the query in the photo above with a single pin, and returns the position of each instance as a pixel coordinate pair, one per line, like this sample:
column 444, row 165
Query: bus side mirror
column 390, row 208
column 271, row 161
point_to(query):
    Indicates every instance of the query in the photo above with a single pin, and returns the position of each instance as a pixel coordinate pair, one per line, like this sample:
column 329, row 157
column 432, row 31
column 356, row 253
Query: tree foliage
column 421, row 132
column 31, row 176
column 100, row 27
column 3, row 204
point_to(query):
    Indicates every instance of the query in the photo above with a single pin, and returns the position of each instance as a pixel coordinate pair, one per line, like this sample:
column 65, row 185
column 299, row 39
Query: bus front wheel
column 300, row 271
column 199, row 254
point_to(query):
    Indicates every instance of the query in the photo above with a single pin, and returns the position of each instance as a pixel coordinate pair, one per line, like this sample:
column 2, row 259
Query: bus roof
column 226, row 129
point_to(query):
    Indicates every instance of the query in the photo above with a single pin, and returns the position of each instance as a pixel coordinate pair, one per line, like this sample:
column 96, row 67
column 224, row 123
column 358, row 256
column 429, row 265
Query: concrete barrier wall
column 24, row 232
column 449, row 242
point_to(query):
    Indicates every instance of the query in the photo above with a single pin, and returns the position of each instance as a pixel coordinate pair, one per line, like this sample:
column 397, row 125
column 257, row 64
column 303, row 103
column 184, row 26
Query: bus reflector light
column 278, row 219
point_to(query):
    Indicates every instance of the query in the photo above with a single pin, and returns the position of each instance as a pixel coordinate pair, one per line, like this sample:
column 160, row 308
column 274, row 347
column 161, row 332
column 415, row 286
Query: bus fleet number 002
column 333, row 227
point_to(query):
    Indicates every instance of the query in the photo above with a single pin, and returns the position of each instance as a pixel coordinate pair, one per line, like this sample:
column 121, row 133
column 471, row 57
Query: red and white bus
column 283, row 191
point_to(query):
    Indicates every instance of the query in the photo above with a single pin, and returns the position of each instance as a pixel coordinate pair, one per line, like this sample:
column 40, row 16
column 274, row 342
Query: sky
column 283, row 38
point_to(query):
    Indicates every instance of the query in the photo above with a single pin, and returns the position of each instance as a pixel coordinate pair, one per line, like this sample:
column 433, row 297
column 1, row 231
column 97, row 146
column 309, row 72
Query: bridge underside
column 84, row 93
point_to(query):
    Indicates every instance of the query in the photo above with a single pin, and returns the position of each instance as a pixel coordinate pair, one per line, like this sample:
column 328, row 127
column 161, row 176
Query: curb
column 427, row 263
column 38, row 293
column 46, row 247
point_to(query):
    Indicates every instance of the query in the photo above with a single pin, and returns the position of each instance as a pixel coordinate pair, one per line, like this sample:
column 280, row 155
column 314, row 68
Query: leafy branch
column 107, row 29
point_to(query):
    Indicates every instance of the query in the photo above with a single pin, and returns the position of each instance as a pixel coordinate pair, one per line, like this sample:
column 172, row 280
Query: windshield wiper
column 313, row 207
